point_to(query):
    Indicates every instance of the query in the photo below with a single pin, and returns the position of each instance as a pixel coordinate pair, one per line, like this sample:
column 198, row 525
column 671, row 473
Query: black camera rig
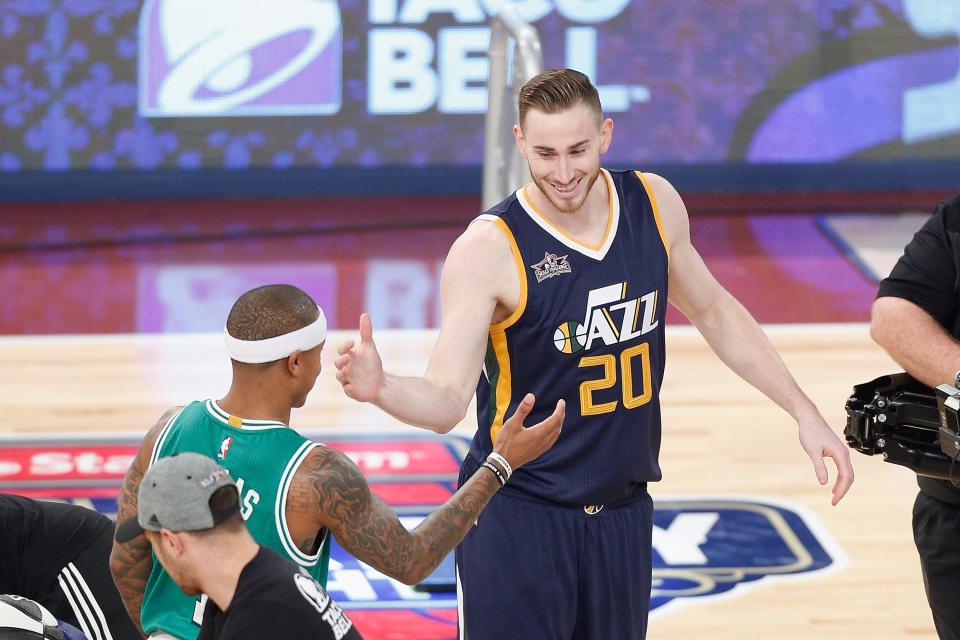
column 909, row 423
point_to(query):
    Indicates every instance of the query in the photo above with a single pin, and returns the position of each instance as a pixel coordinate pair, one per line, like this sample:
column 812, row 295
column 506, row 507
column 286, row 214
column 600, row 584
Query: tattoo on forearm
column 371, row 531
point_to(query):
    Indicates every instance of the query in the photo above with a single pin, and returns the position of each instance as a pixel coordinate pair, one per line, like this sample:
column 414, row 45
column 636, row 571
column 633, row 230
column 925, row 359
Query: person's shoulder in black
column 40, row 538
column 275, row 599
column 926, row 274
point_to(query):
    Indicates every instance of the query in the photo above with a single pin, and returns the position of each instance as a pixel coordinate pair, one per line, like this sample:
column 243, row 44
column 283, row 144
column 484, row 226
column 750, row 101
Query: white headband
column 270, row 349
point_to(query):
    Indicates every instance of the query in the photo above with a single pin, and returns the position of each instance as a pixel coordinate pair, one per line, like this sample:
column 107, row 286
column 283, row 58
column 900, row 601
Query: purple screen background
column 729, row 80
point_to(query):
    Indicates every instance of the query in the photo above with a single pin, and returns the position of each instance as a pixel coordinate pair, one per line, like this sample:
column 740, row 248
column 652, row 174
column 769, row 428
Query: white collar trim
column 597, row 253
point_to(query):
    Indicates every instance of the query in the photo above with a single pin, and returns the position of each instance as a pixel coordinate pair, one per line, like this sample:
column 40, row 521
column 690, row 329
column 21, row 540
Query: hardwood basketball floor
column 720, row 438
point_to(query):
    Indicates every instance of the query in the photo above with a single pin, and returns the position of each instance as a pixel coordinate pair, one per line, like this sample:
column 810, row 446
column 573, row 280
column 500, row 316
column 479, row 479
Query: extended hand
column 819, row 441
column 359, row 368
column 519, row 444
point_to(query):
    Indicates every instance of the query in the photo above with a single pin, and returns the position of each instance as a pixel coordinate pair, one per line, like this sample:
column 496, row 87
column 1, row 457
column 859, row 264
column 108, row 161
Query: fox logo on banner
column 239, row 57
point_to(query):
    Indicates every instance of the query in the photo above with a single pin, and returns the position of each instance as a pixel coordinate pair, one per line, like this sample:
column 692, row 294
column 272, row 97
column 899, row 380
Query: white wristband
column 496, row 457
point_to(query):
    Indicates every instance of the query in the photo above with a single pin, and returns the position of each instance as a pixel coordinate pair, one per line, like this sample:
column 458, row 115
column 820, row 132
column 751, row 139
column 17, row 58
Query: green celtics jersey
column 262, row 456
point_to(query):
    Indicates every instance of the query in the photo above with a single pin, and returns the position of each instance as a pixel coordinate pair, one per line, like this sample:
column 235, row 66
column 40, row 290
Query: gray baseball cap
column 175, row 494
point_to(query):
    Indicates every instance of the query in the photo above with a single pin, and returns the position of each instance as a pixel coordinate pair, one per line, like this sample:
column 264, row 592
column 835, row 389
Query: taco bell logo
column 239, row 57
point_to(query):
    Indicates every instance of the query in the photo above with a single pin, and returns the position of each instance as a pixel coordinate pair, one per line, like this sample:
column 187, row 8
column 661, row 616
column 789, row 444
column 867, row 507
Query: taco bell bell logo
column 239, row 57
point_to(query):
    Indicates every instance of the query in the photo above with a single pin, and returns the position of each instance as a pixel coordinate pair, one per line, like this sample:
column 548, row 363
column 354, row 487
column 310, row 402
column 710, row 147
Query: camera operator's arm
column 918, row 343
column 917, row 304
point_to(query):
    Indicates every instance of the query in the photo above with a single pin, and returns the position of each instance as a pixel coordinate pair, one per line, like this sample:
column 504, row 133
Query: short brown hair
column 557, row 90
column 270, row 311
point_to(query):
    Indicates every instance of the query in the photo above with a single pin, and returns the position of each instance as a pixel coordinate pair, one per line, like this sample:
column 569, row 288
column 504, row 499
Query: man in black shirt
column 274, row 598
column 57, row 555
column 188, row 507
column 916, row 318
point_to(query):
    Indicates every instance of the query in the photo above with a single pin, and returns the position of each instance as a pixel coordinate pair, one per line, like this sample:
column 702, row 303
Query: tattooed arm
column 332, row 487
column 131, row 562
column 370, row 530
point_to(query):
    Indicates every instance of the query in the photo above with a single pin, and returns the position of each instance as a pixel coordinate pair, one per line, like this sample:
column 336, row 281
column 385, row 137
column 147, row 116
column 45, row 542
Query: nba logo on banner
column 239, row 57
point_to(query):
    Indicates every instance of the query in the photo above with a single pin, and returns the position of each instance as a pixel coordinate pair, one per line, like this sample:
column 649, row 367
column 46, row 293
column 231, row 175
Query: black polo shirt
column 927, row 276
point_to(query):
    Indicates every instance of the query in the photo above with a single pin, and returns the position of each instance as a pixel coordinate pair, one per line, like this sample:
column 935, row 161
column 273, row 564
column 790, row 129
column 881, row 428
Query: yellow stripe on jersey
column 521, row 274
column 235, row 421
column 637, row 314
column 498, row 338
column 504, row 384
column 613, row 325
column 656, row 211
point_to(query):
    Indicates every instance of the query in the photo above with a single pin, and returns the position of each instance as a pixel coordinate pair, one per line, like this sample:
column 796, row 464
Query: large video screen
column 188, row 84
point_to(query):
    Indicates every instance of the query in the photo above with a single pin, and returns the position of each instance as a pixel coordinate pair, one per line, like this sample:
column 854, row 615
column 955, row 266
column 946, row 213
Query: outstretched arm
column 131, row 562
column 479, row 279
column 738, row 340
column 370, row 530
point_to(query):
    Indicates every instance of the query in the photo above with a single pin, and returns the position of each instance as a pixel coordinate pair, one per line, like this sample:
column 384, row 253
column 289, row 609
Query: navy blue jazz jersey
column 589, row 328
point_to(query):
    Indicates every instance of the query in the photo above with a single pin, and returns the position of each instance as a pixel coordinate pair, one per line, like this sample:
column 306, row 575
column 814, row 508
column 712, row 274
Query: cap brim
column 128, row 530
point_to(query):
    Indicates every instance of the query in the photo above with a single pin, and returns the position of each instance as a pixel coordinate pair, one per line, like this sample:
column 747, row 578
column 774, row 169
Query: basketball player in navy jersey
column 561, row 290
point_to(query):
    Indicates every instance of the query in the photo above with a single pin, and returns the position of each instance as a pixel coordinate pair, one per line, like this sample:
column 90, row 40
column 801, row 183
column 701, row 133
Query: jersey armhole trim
column 656, row 212
column 155, row 454
column 283, row 530
column 502, row 326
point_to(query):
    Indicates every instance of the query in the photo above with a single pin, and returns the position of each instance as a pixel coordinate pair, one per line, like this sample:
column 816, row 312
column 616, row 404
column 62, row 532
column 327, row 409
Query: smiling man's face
column 563, row 152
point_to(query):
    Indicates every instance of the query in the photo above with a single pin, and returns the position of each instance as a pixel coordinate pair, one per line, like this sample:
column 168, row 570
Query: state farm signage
column 33, row 463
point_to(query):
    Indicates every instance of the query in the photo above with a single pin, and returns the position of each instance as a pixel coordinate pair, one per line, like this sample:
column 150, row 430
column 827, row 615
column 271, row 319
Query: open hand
column 519, row 444
column 819, row 441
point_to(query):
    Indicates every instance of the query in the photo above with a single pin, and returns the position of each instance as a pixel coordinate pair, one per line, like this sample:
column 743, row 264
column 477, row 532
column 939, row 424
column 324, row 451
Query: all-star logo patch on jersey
column 703, row 546
column 551, row 265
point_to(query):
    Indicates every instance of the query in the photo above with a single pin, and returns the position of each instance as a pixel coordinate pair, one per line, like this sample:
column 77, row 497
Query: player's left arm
column 131, row 562
column 738, row 340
